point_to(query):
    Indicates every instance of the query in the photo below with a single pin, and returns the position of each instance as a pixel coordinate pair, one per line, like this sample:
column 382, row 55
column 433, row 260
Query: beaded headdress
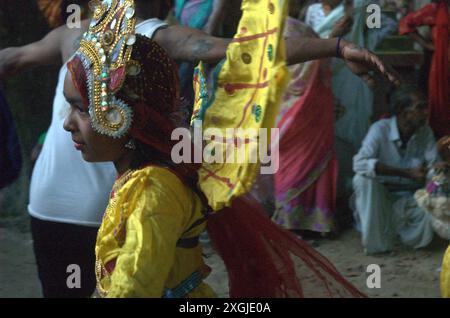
column 105, row 51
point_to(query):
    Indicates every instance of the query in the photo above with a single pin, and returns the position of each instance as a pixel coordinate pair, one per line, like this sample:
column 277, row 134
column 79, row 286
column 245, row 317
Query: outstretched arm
column 363, row 63
column 47, row 51
column 190, row 45
column 360, row 61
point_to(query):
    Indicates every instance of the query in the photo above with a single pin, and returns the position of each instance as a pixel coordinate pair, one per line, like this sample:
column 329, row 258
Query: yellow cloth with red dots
column 248, row 87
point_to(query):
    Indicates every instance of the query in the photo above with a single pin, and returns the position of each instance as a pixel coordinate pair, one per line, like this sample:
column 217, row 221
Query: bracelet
column 338, row 47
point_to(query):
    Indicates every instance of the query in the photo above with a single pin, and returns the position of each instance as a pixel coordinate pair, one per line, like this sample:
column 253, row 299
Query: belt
column 185, row 287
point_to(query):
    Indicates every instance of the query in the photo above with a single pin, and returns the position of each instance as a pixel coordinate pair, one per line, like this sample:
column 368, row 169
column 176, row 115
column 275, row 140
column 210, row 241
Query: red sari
column 435, row 15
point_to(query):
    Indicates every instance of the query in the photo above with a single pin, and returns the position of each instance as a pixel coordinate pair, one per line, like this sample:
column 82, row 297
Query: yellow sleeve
column 153, row 228
column 445, row 275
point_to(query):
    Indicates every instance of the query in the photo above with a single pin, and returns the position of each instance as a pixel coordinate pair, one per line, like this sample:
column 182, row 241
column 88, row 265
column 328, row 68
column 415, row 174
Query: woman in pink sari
column 305, row 184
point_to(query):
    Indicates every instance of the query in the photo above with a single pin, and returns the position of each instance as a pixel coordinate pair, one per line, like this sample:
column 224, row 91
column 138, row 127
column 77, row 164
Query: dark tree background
column 30, row 97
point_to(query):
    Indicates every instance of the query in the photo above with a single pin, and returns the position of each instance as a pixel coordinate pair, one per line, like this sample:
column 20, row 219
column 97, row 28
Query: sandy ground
column 18, row 274
column 405, row 273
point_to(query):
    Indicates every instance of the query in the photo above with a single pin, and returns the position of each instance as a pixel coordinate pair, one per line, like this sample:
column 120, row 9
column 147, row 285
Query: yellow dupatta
column 248, row 87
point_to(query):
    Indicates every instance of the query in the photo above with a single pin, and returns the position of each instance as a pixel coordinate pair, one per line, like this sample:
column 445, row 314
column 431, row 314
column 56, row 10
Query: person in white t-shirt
column 67, row 195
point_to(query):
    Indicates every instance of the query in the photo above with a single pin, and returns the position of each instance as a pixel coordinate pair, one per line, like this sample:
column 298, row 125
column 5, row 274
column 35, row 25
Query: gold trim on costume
column 105, row 51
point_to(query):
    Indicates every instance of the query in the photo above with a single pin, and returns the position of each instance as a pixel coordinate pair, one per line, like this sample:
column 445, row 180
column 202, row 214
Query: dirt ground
column 404, row 273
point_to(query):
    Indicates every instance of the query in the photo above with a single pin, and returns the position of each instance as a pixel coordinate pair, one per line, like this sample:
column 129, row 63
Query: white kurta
column 384, row 206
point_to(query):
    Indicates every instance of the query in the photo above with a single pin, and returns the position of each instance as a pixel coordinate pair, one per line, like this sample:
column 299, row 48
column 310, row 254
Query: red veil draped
column 264, row 260
column 435, row 15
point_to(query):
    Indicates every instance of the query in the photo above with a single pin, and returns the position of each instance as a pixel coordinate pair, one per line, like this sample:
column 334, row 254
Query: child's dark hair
column 146, row 155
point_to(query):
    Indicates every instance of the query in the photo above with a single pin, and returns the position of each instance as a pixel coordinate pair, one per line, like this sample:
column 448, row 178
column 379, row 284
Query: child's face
column 94, row 147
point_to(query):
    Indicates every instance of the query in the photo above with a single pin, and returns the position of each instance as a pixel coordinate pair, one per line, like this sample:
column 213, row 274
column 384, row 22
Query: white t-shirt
column 314, row 15
column 65, row 188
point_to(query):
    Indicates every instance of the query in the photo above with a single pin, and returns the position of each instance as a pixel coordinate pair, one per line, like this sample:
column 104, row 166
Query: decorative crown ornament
column 105, row 51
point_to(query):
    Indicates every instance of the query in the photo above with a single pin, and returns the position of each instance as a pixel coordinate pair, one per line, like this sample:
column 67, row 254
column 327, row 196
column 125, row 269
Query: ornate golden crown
column 105, row 51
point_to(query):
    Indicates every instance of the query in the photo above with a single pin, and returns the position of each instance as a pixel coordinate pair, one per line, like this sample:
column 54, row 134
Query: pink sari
column 305, row 184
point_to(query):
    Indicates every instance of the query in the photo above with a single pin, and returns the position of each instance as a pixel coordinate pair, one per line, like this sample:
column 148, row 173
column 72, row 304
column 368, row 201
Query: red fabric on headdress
column 152, row 94
column 79, row 79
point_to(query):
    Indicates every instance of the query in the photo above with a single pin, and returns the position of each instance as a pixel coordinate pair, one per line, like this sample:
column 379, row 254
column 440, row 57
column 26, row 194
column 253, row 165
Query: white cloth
column 381, row 216
column 149, row 27
column 384, row 206
column 372, row 213
column 383, row 144
column 314, row 15
column 412, row 224
column 65, row 188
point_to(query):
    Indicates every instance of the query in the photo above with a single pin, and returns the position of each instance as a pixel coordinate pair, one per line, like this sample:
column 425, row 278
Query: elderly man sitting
column 391, row 164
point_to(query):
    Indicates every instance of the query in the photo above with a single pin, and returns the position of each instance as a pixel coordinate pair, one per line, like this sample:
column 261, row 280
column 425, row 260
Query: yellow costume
column 151, row 209
column 142, row 224
column 147, row 245
column 248, row 89
column 445, row 275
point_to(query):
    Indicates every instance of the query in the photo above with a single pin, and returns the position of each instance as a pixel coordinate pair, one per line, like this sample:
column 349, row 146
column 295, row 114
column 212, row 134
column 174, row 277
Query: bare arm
column 44, row 52
column 385, row 170
column 301, row 49
column 191, row 45
column 418, row 174
column 359, row 60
